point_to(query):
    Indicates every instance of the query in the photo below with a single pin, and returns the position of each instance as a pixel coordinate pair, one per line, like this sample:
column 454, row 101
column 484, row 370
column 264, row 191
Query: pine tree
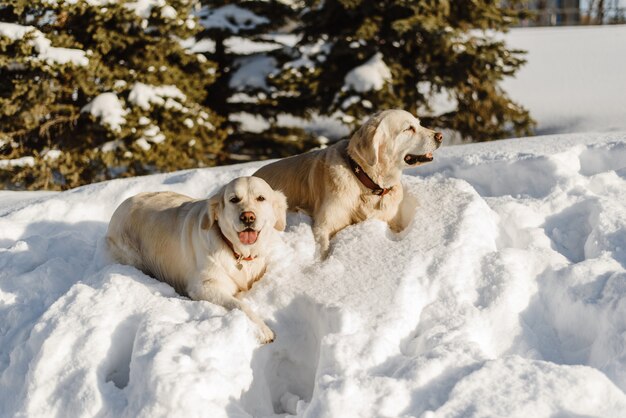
column 441, row 60
column 245, row 39
column 89, row 93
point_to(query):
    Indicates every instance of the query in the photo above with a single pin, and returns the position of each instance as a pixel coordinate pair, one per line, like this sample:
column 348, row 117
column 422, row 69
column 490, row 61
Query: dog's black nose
column 438, row 137
column 247, row 217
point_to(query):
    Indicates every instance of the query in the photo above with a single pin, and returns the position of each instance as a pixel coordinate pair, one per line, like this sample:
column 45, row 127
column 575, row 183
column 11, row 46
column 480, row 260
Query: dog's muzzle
column 412, row 159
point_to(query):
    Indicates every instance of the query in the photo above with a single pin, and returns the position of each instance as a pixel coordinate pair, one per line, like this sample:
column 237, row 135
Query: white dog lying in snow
column 208, row 249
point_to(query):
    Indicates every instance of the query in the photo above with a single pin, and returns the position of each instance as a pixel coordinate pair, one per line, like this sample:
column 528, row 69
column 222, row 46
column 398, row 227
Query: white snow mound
column 504, row 296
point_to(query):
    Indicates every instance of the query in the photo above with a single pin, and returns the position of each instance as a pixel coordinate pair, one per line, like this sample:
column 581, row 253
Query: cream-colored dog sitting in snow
column 358, row 179
column 209, row 249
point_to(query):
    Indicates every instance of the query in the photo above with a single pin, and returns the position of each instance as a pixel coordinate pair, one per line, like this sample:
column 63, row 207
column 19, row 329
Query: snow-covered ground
column 505, row 296
column 575, row 77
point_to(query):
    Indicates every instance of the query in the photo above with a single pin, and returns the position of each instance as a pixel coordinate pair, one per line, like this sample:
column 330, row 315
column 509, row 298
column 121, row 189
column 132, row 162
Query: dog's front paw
column 323, row 250
column 265, row 334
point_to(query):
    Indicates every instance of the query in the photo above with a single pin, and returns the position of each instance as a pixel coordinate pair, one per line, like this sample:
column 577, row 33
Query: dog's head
column 394, row 139
column 247, row 208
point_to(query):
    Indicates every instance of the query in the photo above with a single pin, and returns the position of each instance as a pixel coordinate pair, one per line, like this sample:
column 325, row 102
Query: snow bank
column 504, row 296
column 9, row 198
column 46, row 52
column 538, row 390
column 573, row 78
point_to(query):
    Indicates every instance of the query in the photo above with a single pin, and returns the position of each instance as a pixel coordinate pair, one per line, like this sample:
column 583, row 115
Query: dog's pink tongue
column 248, row 237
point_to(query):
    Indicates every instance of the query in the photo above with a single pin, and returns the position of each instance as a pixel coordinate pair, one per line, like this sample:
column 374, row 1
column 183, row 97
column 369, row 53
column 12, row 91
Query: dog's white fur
column 321, row 182
column 176, row 239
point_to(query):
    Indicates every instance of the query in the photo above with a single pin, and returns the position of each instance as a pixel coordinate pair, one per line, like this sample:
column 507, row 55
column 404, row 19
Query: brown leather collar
column 237, row 256
column 365, row 179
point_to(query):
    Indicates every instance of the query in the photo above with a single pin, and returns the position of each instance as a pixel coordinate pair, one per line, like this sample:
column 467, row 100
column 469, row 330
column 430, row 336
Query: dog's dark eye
column 260, row 198
column 235, row 199
column 410, row 128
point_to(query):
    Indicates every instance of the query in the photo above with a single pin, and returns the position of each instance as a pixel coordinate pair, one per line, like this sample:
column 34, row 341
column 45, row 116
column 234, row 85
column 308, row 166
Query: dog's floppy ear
column 367, row 141
column 215, row 205
column 279, row 203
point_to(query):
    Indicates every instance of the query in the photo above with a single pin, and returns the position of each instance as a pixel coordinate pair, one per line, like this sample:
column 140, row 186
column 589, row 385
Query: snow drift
column 572, row 78
column 505, row 296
